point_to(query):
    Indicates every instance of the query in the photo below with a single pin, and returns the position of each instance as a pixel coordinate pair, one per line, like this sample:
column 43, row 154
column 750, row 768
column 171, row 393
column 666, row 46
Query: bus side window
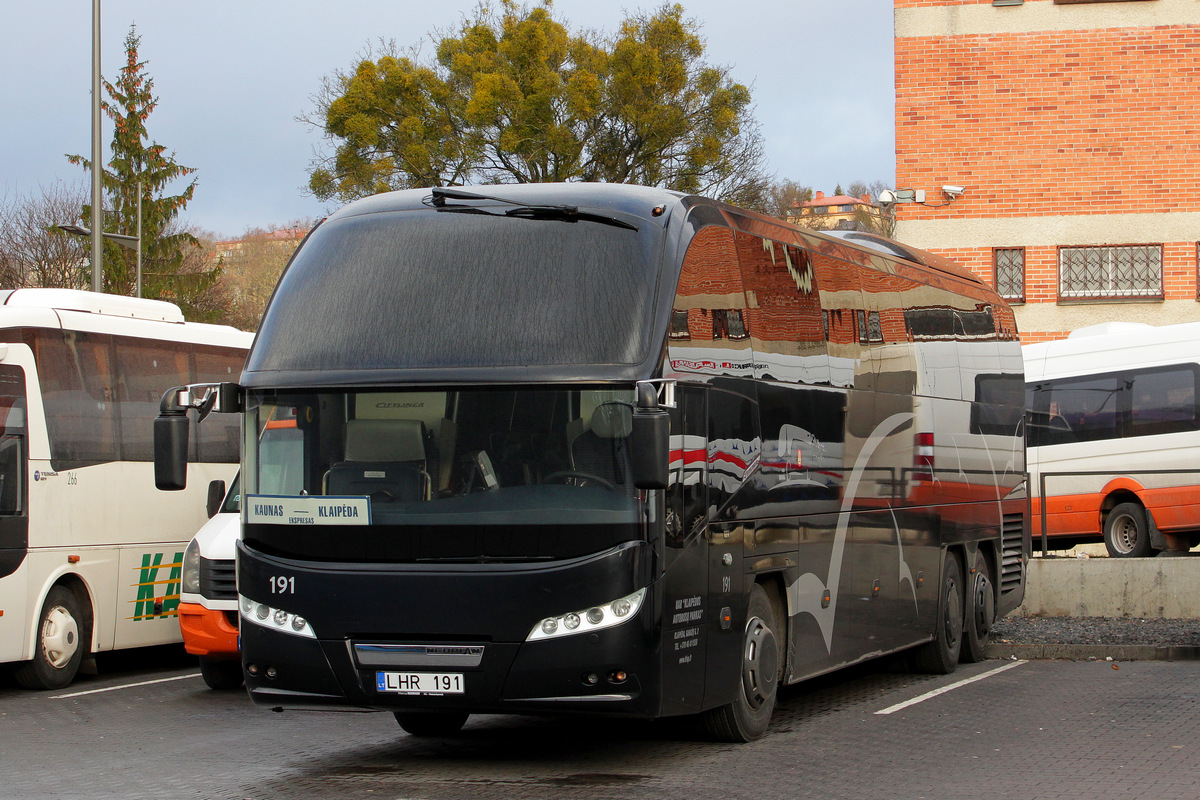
column 734, row 446
column 687, row 487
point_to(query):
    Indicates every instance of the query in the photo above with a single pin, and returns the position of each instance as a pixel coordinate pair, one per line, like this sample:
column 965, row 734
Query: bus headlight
column 589, row 619
column 189, row 581
column 275, row 619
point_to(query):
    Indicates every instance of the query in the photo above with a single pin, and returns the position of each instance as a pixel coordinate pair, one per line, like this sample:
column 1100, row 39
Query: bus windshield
column 446, row 475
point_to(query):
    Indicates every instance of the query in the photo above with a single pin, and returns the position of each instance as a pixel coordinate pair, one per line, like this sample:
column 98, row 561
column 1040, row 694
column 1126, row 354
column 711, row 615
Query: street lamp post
column 97, row 166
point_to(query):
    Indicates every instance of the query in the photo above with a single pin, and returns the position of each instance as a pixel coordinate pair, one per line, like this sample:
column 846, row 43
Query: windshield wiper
column 547, row 212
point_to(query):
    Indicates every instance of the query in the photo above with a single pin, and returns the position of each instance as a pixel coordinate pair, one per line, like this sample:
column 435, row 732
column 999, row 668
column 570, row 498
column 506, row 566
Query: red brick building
column 1072, row 130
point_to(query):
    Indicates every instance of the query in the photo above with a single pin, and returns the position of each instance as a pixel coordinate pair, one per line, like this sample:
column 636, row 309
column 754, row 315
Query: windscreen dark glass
column 455, row 289
column 443, row 475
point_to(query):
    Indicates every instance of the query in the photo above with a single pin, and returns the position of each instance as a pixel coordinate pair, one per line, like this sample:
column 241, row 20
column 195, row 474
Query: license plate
column 427, row 683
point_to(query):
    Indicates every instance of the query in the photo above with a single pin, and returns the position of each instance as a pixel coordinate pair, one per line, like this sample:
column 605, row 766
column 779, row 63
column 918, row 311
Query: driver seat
column 600, row 449
column 383, row 459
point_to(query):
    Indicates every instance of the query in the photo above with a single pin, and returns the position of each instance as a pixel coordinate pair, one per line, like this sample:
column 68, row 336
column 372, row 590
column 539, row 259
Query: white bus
column 1114, row 427
column 90, row 552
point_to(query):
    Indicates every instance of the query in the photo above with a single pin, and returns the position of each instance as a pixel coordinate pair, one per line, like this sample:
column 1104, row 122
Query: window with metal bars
column 1125, row 271
column 1009, row 267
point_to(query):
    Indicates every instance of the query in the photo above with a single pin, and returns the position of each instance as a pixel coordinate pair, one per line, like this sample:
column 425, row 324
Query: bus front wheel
column 430, row 723
column 746, row 718
column 1126, row 534
column 221, row 674
column 59, row 646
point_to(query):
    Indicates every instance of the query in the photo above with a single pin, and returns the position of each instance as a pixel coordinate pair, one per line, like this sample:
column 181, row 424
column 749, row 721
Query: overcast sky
column 231, row 76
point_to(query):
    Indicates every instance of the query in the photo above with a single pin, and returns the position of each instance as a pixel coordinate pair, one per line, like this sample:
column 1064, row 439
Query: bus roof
column 94, row 303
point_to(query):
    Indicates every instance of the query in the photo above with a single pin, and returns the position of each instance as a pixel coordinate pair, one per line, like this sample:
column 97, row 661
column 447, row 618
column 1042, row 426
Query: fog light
column 271, row 673
column 591, row 679
column 618, row 676
column 252, row 669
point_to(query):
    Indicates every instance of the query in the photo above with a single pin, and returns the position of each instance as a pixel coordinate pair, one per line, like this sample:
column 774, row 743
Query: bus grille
column 1012, row 532
column 217, row 579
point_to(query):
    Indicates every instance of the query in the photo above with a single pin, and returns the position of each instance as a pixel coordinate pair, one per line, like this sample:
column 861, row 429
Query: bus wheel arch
column 980, row 612
column 747, row 716
column 62, row 638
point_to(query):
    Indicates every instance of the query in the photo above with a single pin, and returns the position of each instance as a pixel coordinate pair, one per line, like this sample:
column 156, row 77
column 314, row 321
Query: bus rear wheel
column 940, row 656
column 746, row 718
column 58, row 649
column 431, row 723
column 981, row 612
column 1126, row 534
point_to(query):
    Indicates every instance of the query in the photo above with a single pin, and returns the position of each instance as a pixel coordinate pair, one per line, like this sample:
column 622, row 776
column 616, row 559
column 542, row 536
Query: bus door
column 14, row 515
column 685, row 550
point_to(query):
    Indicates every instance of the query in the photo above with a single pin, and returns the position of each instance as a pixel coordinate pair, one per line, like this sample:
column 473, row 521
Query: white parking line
column 944, row 689
column 125, row 686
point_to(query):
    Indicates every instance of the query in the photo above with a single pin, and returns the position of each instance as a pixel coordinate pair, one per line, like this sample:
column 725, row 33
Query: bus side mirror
column 170, row 450
column 648, row 456
column 216, row 494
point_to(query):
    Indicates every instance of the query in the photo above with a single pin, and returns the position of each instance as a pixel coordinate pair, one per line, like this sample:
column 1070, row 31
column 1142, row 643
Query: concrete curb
column 1100, row 652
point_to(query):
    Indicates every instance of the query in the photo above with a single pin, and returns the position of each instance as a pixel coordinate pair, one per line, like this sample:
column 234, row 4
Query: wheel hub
column 954, row 615
column 985, row 605
column 760, row 663
column 60, row 637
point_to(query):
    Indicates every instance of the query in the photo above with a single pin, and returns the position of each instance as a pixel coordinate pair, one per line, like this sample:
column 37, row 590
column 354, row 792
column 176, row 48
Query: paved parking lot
column 1045, row 729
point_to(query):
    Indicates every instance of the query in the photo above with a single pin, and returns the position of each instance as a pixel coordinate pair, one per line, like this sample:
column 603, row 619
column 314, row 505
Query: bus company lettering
column 687, row 609
column 149, row 603
column 268, row 510
column 337, row 511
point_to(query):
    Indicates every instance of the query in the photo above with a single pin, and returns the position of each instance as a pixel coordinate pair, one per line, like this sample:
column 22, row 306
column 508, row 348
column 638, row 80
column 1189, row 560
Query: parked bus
column 1114, row 428
column 611, row 449
column 89, row 552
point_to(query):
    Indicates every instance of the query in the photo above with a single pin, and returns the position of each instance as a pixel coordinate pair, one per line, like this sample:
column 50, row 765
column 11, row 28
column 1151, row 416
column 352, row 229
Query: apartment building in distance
column 1057, row 144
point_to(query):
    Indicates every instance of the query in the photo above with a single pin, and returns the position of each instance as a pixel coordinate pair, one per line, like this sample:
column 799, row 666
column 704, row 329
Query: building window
column 1110, row 272
column 1009, row 267
column 679, row 324
column 728, row 323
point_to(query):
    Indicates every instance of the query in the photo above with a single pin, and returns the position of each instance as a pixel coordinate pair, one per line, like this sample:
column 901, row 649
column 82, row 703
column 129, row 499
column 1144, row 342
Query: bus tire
column 1126, row 534
column 980, row 613
column 221, row 673
column 746, row 718
column 431, row 723
column 940, row 656
column 58, row 649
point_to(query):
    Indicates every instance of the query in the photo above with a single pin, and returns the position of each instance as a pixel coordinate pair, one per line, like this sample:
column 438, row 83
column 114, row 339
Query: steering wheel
column 582, row 476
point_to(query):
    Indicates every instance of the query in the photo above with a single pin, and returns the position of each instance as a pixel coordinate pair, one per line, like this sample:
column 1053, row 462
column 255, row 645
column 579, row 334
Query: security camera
column 953, row 191
column 887, row 196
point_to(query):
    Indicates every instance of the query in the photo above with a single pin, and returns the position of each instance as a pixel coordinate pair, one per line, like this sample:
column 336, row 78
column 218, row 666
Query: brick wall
column 1066, row 122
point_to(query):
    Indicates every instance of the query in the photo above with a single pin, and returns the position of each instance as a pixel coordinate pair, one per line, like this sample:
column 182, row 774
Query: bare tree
column 251, row 266
column 33, row 251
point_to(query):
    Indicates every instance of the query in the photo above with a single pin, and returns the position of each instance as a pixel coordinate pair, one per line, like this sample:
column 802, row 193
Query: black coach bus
column 613, row 449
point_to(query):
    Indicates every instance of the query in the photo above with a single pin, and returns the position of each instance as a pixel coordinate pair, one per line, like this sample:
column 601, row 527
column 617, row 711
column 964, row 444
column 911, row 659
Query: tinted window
column 413, row 289
column 1080, row 410
column 1163, row 401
